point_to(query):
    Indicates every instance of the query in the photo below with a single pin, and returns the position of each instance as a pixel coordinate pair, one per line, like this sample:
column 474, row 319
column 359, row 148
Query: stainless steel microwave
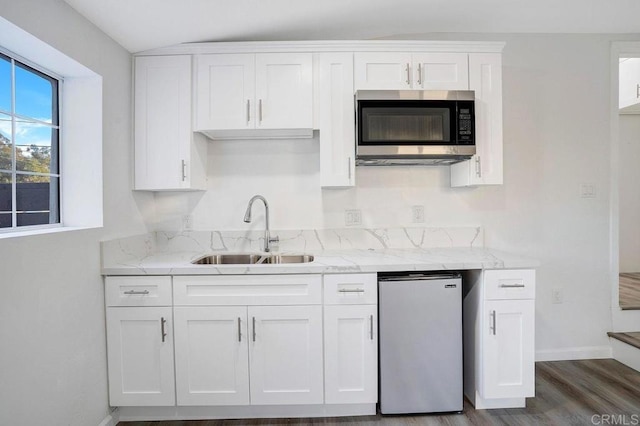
column 407, row 127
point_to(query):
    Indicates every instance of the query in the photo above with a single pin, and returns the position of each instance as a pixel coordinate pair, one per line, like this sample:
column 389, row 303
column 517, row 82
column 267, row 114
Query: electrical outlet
column 587, row 190
column 352, row 217
column 417, row 214
column 556, row 295
column 187, row 222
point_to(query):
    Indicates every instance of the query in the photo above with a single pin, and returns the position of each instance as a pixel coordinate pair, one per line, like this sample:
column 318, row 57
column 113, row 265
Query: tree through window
column 29, row 146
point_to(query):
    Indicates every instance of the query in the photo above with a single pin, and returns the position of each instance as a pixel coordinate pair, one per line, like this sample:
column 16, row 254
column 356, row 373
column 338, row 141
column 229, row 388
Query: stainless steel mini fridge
column 420, row 343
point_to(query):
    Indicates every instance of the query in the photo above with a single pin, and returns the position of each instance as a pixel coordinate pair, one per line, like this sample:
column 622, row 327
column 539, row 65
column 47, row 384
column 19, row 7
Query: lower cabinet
column 220, row 350
column 499, row 335
column 140, row 356
column 351, row 338
column 351, row 354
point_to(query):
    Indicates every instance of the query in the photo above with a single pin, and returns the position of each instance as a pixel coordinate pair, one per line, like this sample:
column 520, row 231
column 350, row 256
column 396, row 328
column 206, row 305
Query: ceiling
column 146, row 24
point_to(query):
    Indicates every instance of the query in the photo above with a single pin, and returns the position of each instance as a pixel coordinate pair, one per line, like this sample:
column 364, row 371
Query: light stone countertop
column 332, row 261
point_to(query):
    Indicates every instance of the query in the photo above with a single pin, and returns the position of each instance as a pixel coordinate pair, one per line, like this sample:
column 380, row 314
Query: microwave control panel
column 466, row 123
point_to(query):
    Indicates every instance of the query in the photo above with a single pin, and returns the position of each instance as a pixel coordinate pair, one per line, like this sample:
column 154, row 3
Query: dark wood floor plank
column 567, row 393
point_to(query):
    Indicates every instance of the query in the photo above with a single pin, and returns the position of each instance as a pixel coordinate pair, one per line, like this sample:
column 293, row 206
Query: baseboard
column 568, row 354
column 112, row 419
column 626, row 354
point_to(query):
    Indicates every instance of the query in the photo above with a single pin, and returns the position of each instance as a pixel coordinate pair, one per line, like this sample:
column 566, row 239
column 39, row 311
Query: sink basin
column 252, row 259
column 289, row 258
column 228, row 259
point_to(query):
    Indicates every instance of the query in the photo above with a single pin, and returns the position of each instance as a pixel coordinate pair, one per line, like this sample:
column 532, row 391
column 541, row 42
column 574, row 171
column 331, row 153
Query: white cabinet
column 248, row 340
column 499, row 330
column 238, row 94
column 629, row 84
column 286, row 355
column 212, row 359
column 402, row 71
column 139, row 346
column 485, row 168
column 336, row 120
column 168, row 156
column 351, row 338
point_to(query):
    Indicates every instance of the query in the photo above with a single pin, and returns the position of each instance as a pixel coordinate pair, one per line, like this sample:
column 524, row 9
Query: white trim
column 111, row 419
column 45, row 230
column 245, row 412
column 575, row 353
column 626, row 354
column 328, row 46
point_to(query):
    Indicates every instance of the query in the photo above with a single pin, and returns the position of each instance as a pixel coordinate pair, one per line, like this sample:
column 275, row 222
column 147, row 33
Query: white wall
column 52, row 335
column 556, row 136
column 629, row 193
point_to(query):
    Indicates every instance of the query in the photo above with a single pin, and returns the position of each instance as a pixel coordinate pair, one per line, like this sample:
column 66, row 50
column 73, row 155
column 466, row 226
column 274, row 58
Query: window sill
column 44, row 231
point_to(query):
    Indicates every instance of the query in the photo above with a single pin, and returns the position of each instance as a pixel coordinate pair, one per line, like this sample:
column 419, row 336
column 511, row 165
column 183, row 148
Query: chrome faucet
column 247, row 218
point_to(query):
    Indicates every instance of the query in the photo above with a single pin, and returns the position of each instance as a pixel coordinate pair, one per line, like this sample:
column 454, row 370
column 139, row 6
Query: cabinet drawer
column 247, row 290
column 509, row 284
column 138, row 291
column 350, row 289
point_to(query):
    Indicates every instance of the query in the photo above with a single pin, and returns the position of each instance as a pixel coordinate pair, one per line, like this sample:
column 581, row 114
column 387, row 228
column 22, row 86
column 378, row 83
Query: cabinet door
column 351, row 354
column 140, row 356
column 441, row 71
column 508, row 349
column 336, row 118
column 284, row 90
column 162, row 107
column 212, row 359
column 225, row 92
column 485, row 168
column 382, row 71
column 629, row 85
column 285, row 354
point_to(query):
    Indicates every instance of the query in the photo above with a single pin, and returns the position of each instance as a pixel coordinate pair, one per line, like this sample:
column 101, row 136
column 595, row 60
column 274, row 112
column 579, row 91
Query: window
column 29, row 146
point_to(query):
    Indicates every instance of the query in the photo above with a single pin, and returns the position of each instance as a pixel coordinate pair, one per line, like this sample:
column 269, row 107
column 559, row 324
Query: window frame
column 15, row 58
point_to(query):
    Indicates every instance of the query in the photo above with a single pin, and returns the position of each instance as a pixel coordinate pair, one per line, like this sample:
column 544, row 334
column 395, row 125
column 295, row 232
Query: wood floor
column 629, row 290
column 567, row 393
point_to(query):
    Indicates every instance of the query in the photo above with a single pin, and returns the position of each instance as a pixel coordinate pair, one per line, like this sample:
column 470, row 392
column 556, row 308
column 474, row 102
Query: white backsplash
column 306, row 241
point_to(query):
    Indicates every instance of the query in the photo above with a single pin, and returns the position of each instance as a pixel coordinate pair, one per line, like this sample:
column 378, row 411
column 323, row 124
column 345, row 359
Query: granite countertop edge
column 332, row 261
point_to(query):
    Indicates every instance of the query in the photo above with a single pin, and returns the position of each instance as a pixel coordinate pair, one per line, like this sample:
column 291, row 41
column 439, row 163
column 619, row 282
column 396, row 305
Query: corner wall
column 52, row 330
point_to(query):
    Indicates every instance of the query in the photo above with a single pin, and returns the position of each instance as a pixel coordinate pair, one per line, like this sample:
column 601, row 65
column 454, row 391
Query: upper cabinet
column 629, row 86
column 168, row 156
column 402, row 71
column 254, row 95
column 485, row 168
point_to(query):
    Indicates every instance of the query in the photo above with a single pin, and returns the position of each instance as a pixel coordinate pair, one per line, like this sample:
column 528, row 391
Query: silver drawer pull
column 254, row 329
column 492, row 327
column 512, row 285
column 348, row 290
column 371, row 327
column 239, row 330
column 131, row 292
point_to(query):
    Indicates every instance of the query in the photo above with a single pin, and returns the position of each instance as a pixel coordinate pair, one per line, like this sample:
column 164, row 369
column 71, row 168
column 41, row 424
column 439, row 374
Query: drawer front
column 350, row 289
column 247, row 290
column 509, row 284
column 138, row 291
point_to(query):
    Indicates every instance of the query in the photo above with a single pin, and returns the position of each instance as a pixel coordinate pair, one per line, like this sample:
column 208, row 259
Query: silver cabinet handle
column 260, row 110
column 493, row 322
column 349, row 167
column 248, row 111
column 351, row 290
column 184, row 170
column 254, row 329
column 419, row 74
column 478, row 167
column 637, row 91
column 131, row 292
column 408, row 76
column 239, row 330
column 162, row 331
column 512, row 285
column 371, row 327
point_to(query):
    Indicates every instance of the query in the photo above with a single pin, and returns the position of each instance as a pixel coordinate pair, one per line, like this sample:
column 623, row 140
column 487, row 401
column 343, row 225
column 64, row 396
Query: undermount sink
column 252, row 259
